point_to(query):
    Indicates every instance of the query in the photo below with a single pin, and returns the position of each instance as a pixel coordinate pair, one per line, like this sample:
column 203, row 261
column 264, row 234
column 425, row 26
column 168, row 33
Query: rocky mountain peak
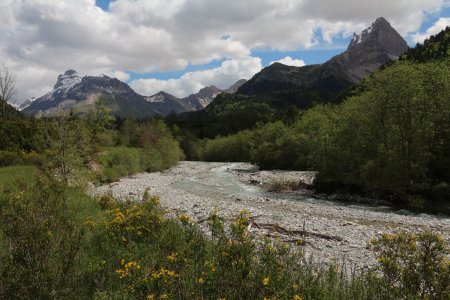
column 69, row 78
column 234, row 88
column 375, row 46
column 380, row 35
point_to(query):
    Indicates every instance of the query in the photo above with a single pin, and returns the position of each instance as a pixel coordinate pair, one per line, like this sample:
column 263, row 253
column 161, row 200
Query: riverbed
column 325, row 229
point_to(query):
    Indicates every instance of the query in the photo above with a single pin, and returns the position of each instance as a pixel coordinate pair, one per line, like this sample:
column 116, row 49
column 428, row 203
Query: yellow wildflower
column 172, row 257
column 184, row 218
column 266, row 281
column 201, row 280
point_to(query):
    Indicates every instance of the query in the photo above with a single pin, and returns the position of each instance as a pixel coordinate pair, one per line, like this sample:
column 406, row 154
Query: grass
column 9, row 175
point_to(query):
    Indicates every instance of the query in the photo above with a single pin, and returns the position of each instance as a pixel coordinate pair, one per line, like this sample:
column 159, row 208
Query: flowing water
column 220, row 181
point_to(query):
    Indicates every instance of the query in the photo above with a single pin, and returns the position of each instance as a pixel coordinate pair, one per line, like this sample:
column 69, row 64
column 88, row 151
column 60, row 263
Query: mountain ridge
column 77, row 94
column 375, row 46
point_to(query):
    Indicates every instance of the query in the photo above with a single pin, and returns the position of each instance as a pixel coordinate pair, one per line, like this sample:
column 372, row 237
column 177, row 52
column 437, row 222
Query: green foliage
column 56, row 242
column 7, row 112
column 161, row 149
column 119, row 162
column 390, row 136
column 228, row 114
column 9, row 175
column 151, row 148
column 41, row 235
column 413, row 265
column 19, row 134
column 99, row 122
column 435, row 47
column 231, row 148
column 66, row 148
column 278, row 146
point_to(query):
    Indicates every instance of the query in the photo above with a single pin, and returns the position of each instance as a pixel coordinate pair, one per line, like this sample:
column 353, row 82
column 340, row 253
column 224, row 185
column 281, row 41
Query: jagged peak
column 69, row 78
column 209, row 88
column 380, row 24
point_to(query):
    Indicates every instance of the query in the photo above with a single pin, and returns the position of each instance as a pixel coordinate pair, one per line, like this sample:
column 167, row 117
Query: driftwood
column 279, row 229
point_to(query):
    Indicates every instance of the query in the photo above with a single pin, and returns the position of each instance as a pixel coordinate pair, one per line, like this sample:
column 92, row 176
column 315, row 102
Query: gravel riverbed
column 334, row 231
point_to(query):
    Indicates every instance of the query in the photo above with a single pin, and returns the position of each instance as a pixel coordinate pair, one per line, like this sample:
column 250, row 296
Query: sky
column 181, row 46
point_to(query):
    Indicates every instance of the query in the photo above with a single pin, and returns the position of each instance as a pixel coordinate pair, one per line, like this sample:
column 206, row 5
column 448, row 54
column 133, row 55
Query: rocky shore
column 325, row 229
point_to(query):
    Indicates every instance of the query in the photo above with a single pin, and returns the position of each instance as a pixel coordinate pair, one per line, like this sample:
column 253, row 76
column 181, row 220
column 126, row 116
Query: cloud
column 223, row 77
column 43, row 38
column 119, row 75
column 289, row 61
column 440, row 24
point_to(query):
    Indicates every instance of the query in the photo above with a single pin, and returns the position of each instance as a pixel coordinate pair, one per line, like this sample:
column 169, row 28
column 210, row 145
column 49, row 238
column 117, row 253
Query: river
column 338, row 230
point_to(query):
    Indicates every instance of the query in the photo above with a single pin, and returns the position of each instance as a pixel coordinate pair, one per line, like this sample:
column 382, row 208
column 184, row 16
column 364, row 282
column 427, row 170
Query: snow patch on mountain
column 26, row 103
column 67, row 80
column 158, row 98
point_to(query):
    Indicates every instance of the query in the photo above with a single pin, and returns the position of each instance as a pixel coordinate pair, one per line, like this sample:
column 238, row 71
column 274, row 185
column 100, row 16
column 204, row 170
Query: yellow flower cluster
column 127, row 268
column 162, row 296
column 184, row 218
column 243, row 219
column 172, row 257
column 211, row 266
column 163, row 272
column 266, row 281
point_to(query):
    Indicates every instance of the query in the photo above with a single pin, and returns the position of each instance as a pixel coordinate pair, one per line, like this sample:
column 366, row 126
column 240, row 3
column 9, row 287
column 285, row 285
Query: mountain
column 304, row 86
column 204, row 97
column 207, row 95
column 164, row 104
column 235, row 87
column 26, row 103
column 78, row 95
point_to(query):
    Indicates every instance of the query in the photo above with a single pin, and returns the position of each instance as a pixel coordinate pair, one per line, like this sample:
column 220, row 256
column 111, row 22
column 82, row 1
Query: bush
column 9, row 158
column 413, row 265
column 119, row 162
column 41, row 240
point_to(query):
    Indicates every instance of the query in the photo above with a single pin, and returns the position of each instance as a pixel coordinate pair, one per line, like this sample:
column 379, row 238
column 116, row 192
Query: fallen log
column 304, row 233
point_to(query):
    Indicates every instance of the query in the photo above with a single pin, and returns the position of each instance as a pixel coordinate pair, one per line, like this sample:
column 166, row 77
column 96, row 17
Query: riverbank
column 325, row 229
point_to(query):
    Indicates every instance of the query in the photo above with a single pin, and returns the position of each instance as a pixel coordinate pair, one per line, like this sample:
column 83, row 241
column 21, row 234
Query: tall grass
column 10, row 174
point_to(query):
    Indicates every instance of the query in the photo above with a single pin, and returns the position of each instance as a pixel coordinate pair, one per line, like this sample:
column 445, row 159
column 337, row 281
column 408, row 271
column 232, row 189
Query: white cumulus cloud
column 289, row 61
column 223, row 77
column 440, row 24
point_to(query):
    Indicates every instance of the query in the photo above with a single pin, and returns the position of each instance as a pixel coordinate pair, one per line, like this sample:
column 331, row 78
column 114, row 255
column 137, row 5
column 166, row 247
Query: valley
column 201, row 164
column 197, row 188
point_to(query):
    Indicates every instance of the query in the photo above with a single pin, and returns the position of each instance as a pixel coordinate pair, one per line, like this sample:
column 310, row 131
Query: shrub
column 120, row 162
column 414, row 265
column 278, row 185
column 40, row 240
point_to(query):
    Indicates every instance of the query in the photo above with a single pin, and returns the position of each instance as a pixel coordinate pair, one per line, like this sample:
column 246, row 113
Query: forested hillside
column 436, row 47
